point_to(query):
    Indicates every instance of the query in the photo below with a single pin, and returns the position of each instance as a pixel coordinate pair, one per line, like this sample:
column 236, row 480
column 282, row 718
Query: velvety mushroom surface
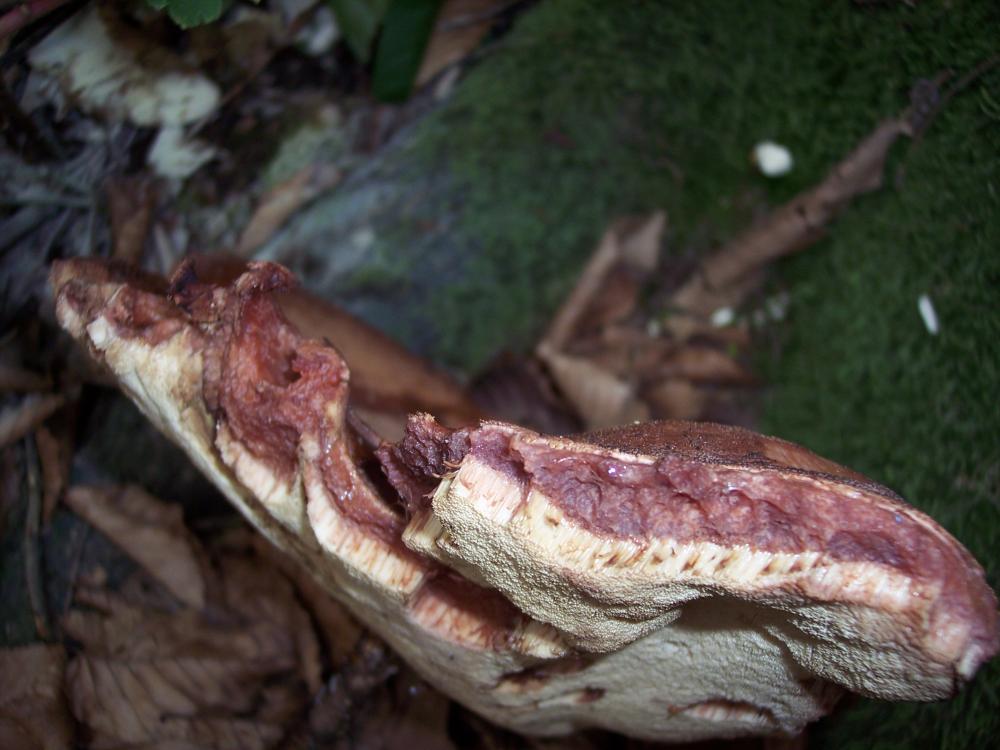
column 670, row 581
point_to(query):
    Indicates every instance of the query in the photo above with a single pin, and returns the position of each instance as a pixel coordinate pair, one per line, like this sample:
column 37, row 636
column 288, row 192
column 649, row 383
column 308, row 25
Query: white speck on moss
column 927, row 312
column 772, row 159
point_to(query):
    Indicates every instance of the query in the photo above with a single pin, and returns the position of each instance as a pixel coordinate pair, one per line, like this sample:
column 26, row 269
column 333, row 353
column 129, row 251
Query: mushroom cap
column 670, row 581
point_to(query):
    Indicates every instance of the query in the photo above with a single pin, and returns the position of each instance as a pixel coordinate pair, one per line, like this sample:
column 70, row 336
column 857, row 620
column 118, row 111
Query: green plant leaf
column 188, row 13
column 406, row 30
column 358, row 21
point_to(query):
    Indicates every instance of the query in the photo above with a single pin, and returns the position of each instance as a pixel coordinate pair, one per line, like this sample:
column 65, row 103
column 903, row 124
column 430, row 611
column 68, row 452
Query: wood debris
column 461, row 25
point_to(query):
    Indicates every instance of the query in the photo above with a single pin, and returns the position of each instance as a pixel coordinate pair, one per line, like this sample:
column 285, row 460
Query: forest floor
column 460, row 221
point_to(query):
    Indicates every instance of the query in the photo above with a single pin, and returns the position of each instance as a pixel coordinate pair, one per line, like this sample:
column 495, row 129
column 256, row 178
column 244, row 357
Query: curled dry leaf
column 461, row 25
column 145, row 676
column 150, row 532
column 675, row 398
column 601, row 398
column 33, row 713
column 628, row 243
column 704, row 364
column 283, row 200
column 600, row 385
column 234, row 673
column 669, row 580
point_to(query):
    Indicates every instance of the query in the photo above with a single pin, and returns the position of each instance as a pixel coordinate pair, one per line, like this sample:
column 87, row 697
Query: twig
column 17, row 421
column 17, row 18
column 960, row 85
column 32, row 562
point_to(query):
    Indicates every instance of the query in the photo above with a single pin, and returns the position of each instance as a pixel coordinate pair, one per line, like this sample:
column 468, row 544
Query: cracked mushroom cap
column 670, row 581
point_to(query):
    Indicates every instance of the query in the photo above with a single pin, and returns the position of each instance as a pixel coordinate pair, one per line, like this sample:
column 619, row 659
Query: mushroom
column 670, row 581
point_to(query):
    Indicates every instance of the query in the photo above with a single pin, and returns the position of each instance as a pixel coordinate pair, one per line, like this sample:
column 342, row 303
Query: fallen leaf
column 516, row 389
column 150, row 532
column 405, row 714
column 345, row 703
column 146, row 677
column 599, row 397
column 460, row 26
column 33, row 713
column 628, row 242
column 152, row 671
column 341, row 633
column 704, row 364
column 283, row 200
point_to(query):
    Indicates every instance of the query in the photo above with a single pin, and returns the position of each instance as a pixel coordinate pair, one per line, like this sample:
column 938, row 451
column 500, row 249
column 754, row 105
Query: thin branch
column 17, row 18
column 32, row 524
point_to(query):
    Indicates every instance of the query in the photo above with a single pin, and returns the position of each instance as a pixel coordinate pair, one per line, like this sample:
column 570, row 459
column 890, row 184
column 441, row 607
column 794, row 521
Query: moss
column 862, row 381
column 590, row 109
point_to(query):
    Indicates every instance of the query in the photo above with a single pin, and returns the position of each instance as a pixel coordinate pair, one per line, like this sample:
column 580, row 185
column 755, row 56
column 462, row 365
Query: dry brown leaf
column 517, row 390
column 283, row 200
column 629, row 242
column 33, row 714
column 237, row 674
column 266, row 596
column 150, row 532
column 791, row 227
column 130, row 203
column 19, row 419
column 704, row 364
column 626, row 351
column 460, row 26
column 599, row 397
column 148, row 677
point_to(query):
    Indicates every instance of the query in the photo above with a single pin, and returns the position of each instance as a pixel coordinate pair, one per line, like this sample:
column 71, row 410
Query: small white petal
column 772, row 159
column 723, row 317
column 926, row 308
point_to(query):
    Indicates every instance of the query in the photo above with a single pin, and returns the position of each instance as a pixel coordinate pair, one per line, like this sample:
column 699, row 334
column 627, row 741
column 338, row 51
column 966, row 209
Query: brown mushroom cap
column 670, row 581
